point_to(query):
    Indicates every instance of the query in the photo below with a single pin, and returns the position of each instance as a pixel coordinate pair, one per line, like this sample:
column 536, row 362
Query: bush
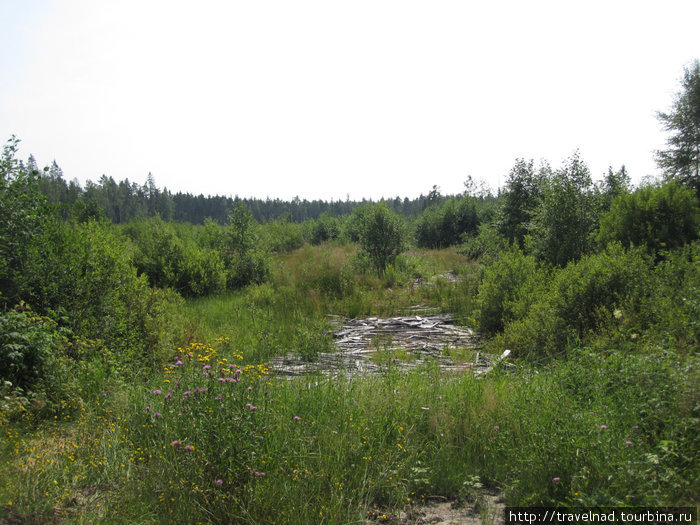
column 281, row 236
column 578, row 300
column 447, row 225
column 660, row 218
column 325, row 228
column 382, row 236
column 23, row 217
column 27, row 348
column 566, row 216
column 502, row 286
column 172, row 259
column 673, row 306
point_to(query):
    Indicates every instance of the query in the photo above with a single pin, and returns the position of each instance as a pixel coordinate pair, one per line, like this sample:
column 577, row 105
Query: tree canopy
column 681, row 159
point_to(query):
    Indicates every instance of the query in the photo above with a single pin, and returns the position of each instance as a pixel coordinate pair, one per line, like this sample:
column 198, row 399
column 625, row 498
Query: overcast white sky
column 325, row 99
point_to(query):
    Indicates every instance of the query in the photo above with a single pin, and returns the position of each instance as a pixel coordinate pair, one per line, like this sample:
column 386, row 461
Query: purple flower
column 296, row 418
column 148, row 408
column 157, row 415
column 219, row 482
column 250, row 388
column 636, row 427
column 186, row 393
column 168, row 396
column 603, row 427
column 556, row 480
column 221, row 379
column 175, row 443
column 188, row 448
column 104, row 394
column 219, row 398
column 157, row 392
column 179, row 363
column 252, row 407
column 206, row 367
column 628, row 442
column 496, row 427
column 258, row 474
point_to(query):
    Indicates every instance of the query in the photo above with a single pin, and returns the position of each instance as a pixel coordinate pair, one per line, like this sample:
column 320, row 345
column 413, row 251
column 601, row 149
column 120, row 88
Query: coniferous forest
column 143, row 338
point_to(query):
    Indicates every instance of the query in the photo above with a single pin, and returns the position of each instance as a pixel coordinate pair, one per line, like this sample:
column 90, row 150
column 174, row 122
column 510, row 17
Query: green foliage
column 325, row 228
column 658, row 217
column 614, row 184
column 576, row 301
column 312, row 340
column 486, row 245
column 563, row 222
column 281, row 236
column 23, row 216
column 504, row 284
column 447, row 224
column 245, row 262
column 27, row 348
column 520, row 199
column 173, row 260
column 672, row 309
column 382, row 236
column 681, row 159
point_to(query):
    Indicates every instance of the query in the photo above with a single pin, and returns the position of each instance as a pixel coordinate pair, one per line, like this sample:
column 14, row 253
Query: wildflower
column 258, row 474
column 168, row 396
column 628, row 442
column 189, row 448
column 603, row 427
column 206, row 367
column 104, row 394
column 148, row 408
column 556, row 480
column 250, row 388
column 175, row 443
column 252, row 407
column 157, row 415
column 157, row 392
column 219, row 398
column 186, row 393
column 496, row 427
column 636, row 427
column 219, row 482
column 296, row 418
column 221, row 379
column 179, row 363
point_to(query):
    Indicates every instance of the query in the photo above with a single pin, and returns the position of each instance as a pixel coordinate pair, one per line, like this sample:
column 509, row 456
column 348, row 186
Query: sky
column 338, row 99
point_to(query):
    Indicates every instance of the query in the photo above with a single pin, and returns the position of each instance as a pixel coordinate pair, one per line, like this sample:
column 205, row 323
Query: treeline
column 123, row 201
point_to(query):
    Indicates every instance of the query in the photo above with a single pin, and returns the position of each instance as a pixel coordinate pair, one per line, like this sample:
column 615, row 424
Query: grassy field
column 213, row 437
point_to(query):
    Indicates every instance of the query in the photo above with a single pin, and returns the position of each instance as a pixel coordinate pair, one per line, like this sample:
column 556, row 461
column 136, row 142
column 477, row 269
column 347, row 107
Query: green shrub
column 672, row 308
column 382, row 236
column 172, row 259
column 660, row 218
column 325, row 228
column 27, row 348
column 562, row 223
column 577, row 300
column 446, row 225
column 281, row 236
column 502, row 287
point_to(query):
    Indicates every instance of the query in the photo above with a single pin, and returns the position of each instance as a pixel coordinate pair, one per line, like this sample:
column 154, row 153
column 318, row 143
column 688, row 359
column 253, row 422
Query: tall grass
column 216, row 439
column 213, row 438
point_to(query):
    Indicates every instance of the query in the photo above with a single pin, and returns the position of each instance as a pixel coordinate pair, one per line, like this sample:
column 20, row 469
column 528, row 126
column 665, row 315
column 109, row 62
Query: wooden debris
column 368, row 346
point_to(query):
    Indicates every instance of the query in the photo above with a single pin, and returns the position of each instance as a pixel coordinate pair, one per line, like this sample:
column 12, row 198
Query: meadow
column 212, row 437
